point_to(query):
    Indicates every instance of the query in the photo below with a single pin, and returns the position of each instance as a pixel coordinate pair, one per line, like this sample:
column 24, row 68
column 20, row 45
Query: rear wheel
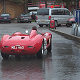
column 41, row 52
column 40, row 25
column 4, row 56
column 50, row 47
column 68, row 25
column 47, row 25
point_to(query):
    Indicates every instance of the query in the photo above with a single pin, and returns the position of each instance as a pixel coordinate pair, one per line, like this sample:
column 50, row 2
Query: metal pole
column 4, row 6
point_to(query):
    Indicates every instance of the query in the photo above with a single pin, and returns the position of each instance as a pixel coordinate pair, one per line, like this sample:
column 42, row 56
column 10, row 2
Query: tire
column 4, row 56
column 68, row 25
column 41, row 51
column 56, row 24
column 40, row 25
column 9, row 21
column 50, row 47
column 47, row 25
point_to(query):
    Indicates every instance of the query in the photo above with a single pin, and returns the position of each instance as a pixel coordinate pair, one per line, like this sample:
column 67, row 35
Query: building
column 12, row 8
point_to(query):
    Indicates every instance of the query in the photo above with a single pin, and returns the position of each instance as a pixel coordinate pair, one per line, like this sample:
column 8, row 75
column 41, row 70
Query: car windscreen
column 60, row 12
column 5, row 15
column 43, row 12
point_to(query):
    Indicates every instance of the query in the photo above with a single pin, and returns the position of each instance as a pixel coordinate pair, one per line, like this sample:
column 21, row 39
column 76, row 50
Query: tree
column 25, row 2
column 17, row 1
column 25, row 6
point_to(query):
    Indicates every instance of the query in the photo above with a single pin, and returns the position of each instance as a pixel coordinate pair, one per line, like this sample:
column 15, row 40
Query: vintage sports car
column 25, row 44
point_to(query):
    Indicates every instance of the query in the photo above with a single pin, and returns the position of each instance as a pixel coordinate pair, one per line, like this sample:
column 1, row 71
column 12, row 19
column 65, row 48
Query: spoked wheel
column 41, row 52
column 4, row 56
column 50, row 47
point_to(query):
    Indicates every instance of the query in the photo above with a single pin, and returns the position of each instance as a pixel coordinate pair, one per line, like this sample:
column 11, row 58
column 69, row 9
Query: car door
column 61, row 15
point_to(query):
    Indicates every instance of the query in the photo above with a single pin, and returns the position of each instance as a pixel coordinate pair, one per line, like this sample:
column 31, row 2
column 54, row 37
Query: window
column 43, row 11
column 60, row 12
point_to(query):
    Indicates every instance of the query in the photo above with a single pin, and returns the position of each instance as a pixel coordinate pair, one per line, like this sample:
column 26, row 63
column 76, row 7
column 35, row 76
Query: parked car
column 25, row 44
column 60, row 15
column 42, row 17
column 24, row 18
column 5, row 17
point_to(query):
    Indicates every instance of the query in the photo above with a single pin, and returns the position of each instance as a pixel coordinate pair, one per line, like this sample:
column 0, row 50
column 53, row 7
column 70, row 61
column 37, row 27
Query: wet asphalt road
column 62, row 64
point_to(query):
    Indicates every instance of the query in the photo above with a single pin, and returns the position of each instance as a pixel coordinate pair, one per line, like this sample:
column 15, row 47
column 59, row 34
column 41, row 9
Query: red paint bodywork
column 23, row 44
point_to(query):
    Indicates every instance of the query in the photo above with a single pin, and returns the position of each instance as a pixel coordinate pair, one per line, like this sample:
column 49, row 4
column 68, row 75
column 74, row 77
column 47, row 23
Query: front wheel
column 4, row 56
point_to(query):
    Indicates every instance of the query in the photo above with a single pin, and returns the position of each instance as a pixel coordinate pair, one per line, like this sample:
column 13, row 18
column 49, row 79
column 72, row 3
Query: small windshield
column 43, row 11
column 5, row 15
column 60, row 12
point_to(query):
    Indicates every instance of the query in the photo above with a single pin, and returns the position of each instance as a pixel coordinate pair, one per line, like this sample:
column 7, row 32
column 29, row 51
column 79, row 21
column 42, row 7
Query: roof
column 33, row 8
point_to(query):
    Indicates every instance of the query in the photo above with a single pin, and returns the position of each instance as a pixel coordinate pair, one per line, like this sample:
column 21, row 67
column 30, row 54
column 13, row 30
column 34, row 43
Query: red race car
column 25, row 44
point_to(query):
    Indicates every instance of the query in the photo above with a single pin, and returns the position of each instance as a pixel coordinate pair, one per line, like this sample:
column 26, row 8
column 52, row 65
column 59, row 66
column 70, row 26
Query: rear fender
column 38, row 40
column 4, row 38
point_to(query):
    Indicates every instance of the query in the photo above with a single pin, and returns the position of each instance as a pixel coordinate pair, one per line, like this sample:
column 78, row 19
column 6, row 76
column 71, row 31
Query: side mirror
column 26, row 31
